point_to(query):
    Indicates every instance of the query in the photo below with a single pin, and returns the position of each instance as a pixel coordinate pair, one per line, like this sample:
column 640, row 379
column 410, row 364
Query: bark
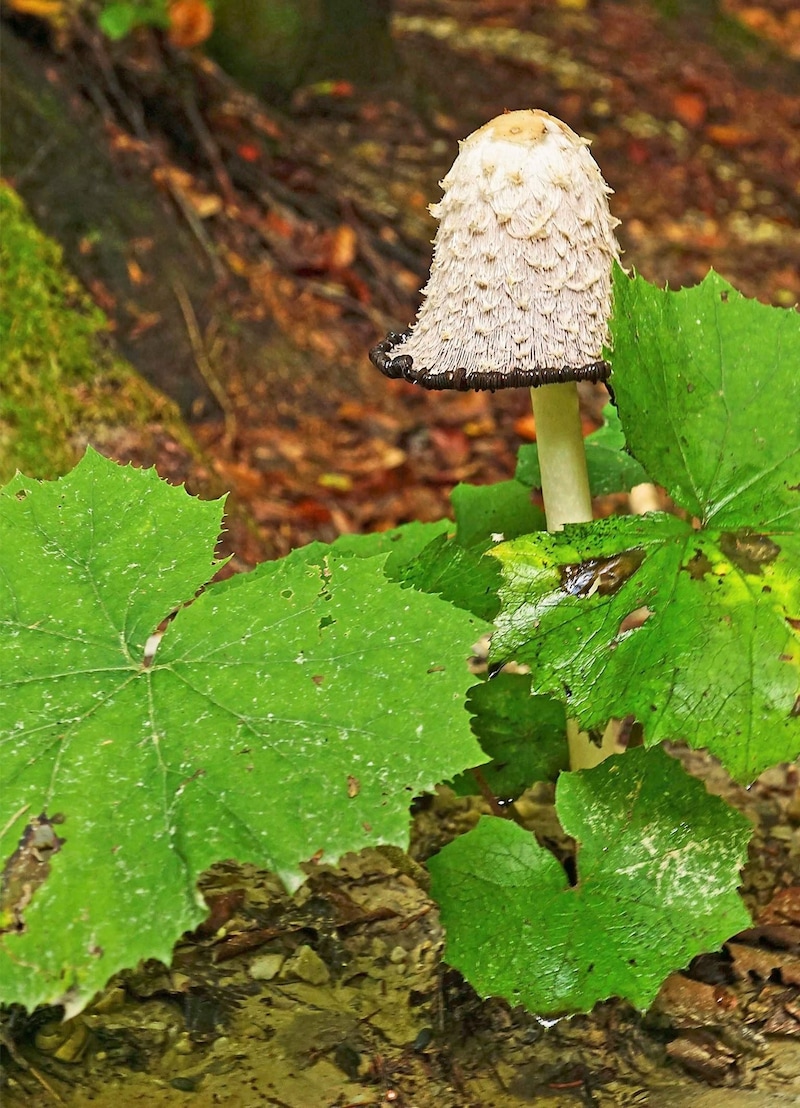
column 274, row 46
column 55, row 153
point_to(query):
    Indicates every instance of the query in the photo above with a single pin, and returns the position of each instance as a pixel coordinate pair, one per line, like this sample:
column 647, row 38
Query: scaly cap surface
column 520, row 286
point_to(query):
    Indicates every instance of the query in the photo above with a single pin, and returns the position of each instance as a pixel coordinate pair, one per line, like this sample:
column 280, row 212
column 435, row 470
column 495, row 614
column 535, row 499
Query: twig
column 488, row 795
column 26, row 1067
column 130, row 111
column 345, row 300
column 196, row 228
column 210, row 147
column 204, row 365
column 34, row 161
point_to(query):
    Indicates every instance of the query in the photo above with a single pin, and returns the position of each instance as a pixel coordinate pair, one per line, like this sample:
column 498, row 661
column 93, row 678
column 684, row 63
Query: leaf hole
column 21, row 494
column 287, row 594
column 600, row 576
column 634, row 620
column 326, row 621
column 749, row 552
column 150, row 648
column 27, row 869
column 570, row 869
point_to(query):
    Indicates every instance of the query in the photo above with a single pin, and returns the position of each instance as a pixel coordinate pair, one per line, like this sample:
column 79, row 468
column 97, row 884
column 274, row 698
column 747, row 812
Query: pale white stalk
column 583, row 753
column 565, row 490
column 562, row 457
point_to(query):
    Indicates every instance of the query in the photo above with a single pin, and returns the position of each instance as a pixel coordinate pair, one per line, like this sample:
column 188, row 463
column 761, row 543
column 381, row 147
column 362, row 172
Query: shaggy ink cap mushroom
column 520, row 294
column 520, row 286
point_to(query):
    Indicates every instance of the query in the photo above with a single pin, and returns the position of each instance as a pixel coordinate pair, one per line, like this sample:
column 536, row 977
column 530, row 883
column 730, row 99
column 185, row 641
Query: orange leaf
column 135, row 272
column 190, row 23
column 248, row 152
column 525, row 427
column 343, row 246
column 49, row 10
column 690, row 108
column 729, row 135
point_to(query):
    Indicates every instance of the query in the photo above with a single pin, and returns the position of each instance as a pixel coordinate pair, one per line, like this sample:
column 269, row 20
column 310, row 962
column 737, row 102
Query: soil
column 338, row 996
column 247, row 259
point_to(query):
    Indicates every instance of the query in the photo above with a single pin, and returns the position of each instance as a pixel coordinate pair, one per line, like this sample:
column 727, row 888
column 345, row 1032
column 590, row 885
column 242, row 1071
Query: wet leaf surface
column 657, row 872
column 707, row 394
column 268, row 700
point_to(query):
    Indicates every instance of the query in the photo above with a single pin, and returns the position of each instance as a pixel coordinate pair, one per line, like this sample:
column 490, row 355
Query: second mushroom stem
column 565, row 490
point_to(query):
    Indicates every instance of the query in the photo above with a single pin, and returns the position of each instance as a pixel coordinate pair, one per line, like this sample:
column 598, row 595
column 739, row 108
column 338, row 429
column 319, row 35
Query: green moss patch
column 58, row 377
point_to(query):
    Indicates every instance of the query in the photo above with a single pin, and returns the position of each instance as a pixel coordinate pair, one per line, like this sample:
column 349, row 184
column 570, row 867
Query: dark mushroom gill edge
column 462, row 379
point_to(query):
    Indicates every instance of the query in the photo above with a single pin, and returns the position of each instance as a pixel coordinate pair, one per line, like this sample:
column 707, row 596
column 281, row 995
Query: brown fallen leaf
column 342, row 247
column 783, row 908
column 685, row 1002
column 762, row 963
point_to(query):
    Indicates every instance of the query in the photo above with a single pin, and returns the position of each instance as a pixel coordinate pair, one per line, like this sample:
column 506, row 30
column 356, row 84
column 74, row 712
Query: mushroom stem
column 583, row 753
column 565, row 490
column 562, row 457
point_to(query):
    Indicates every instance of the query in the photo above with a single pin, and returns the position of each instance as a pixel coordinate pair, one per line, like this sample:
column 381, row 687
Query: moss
column 58, row 377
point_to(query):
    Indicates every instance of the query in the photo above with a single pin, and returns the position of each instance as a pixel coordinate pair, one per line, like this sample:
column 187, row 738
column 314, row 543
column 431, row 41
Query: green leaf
column 707, row 387
column 524, row 736
column 485, row 511
column 658, row 865
column 455, row 567
column 611, row 469
column 695, row 633
column 118, row 19
column 402, row 545
column 701, row 376
column 290, row 715
column 461, row 576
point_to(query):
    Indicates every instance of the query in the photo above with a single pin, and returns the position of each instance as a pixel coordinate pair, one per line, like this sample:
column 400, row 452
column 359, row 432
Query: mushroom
column 520, row 288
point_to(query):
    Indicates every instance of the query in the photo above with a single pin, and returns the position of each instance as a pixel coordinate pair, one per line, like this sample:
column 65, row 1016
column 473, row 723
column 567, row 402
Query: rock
column 308, row 966
column 267, row 966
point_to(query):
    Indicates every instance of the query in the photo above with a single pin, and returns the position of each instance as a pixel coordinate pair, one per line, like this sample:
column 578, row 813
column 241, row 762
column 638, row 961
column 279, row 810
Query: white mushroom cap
column 520, row 286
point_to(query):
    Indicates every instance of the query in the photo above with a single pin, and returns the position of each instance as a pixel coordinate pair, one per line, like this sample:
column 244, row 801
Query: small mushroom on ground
column 520, row 288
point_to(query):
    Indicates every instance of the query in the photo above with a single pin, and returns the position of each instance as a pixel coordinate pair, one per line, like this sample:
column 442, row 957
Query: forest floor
column 262, row 254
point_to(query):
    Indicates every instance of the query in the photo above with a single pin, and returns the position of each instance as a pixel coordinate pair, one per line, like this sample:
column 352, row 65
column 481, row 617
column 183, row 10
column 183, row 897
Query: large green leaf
column 658, row 865
column 460, row 575
column 402, row 544
column 690, row 632
column 284, row 717
column 708, row 388
column 696, row 631
column 455, row 567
